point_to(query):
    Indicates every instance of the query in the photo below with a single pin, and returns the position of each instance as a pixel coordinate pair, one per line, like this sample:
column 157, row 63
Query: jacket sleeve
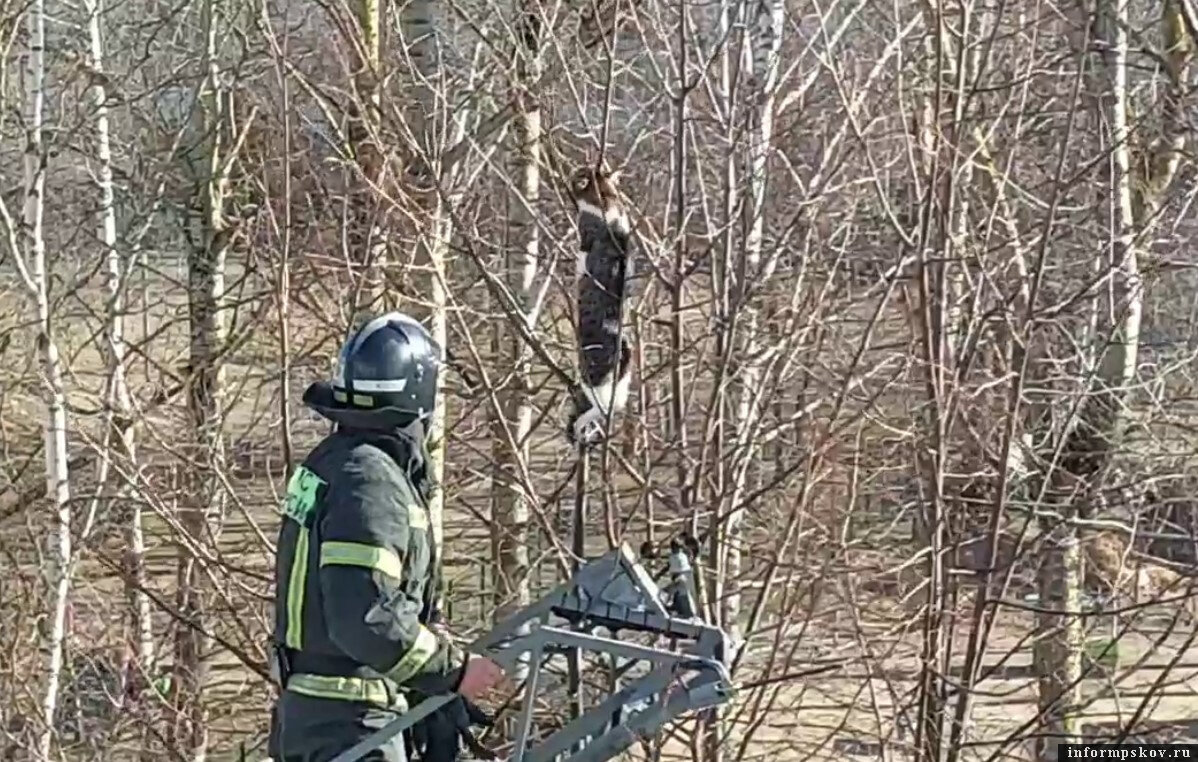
column 364, row 575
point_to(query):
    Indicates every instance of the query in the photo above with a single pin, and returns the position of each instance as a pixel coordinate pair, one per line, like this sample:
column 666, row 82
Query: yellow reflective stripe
column 413, row 661
column 357, row 554
column 345, row 689
column 296, row 583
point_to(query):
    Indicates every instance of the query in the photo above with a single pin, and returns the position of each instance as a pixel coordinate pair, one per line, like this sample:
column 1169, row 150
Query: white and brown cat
column 605, row 358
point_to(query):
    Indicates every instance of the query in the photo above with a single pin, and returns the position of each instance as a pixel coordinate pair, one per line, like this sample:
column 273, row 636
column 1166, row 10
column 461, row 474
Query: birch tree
column 118, row 438
column 764, row 41
column 217, row 140
column 368, row 237
column 27, row 244
column 512, row 422
column 434, row 228
column 740, row 281
column 1138, row 187
column 418, row 162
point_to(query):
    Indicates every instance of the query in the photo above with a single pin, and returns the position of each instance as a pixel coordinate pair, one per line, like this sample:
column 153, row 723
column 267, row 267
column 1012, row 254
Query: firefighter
column 356, row 630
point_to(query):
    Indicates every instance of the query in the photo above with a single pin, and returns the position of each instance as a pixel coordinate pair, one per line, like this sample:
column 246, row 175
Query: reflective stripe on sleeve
column 296, row 583
column 346, row 689
column 413, row 661
column 356, row 554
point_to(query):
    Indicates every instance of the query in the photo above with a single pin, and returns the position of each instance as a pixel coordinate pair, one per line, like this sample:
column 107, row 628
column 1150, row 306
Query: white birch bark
column 514, row 423
column 421, row 36
column 204, row 507
column 726, row 21
column 765, row 39
column 58, row 551
column 1138, row 185
column 118, row 407
column 1060, row 639
column 711, row 594
column 370, row 235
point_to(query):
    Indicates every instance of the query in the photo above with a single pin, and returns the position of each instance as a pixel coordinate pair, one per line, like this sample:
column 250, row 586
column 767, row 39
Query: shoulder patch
column 303, row 492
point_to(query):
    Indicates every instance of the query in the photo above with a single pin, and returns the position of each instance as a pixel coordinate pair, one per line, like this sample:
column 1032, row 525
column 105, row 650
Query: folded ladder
column 616, row 593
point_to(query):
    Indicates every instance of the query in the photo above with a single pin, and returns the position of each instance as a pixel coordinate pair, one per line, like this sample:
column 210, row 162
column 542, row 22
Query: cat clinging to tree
column 604, row 356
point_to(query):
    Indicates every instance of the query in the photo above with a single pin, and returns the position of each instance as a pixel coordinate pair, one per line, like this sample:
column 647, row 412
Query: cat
column 605, row 358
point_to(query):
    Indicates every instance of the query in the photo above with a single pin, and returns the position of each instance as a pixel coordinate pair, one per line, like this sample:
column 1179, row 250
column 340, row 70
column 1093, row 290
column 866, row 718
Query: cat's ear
column 581, row 182
column 614, row 177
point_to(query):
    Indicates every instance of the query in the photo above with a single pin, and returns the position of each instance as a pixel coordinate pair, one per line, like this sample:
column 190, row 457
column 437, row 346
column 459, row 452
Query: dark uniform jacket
column 356, row 576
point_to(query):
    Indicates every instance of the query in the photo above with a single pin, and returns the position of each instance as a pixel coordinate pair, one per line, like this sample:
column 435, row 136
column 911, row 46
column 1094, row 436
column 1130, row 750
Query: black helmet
column 386, row 376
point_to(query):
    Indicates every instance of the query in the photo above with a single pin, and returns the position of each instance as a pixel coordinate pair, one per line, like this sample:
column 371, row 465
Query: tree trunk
column 676, row 421
column 1090, row 443
column 511, row 433
column 283, row 284
column 138, row 649
column 58, row 551
column 723, row 280
column 204, row 505
column 744, row 284
column 765, row 38
column 435, row 225
column 367, row 236
column 1059, row 636
column 435, row 247
column 934, row 323
column 722, row 439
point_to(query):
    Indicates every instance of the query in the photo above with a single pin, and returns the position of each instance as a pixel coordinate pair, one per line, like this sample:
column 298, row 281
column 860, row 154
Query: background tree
column 27, row 248
column 1137, row 188
column 513, row 411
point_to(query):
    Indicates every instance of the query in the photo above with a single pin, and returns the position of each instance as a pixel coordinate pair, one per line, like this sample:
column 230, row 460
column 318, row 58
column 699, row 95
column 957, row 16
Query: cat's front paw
column 586, row 430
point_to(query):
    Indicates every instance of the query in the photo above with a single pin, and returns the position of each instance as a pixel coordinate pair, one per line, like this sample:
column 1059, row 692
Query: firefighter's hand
column 440, row 736
column 479, row 675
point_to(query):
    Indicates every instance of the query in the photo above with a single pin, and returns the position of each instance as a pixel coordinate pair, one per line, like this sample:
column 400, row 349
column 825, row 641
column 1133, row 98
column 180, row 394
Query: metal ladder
column 616, row 593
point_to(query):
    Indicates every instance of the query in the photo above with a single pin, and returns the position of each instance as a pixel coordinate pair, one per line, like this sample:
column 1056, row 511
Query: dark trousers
column 307, row 729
